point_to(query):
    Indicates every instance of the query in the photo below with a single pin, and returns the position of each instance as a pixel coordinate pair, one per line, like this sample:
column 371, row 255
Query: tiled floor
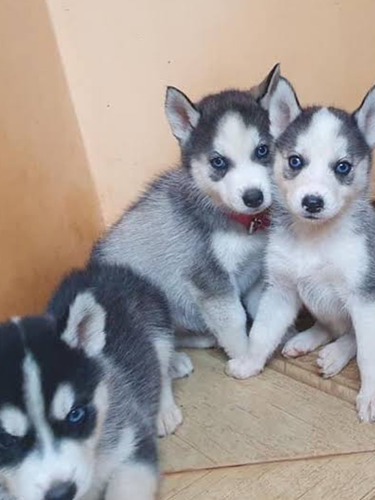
column 286, row 434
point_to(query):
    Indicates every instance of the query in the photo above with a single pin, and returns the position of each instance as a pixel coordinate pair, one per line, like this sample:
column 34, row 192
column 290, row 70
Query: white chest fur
column 325, row 268
column 233, row 249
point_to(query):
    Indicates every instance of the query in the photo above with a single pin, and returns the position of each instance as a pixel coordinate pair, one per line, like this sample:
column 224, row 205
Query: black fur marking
column 147, row 450
column 357, row 146
column 37, row 336
column 12, row 355
column 58, row 364
column 211, row 280
column 13, row 450
column 286, row 143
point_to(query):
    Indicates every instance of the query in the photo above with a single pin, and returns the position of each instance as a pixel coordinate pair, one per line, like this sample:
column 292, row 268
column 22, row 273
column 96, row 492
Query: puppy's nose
column 61, row 491
column 313, row 203
column 253, row 198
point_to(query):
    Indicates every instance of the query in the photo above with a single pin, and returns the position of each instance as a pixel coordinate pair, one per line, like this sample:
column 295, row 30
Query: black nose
column 253, row 198
column 61, row 491
column 313, row 203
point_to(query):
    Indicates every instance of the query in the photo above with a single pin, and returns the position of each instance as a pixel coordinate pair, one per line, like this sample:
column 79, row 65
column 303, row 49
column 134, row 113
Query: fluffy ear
column 264, row 90
column 283, row 107
column 365, row 117
column 181, row 113
column 85, row 325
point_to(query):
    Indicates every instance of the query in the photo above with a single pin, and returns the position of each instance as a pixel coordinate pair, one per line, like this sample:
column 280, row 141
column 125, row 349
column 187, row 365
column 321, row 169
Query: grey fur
column 365, row 225
column 288, row 139
column 167, row 235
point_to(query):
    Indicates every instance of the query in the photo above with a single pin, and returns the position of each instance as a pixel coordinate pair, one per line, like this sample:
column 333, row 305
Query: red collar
column 253, row 223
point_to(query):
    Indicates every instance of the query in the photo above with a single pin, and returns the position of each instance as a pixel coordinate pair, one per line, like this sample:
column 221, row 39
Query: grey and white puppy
column 81, row 391
column 189, row 232
column 321, row 248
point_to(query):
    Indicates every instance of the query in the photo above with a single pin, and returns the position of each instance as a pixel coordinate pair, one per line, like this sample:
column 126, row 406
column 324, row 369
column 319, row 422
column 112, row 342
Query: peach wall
column 119, row 55
column 81, row 96
column 48, row 203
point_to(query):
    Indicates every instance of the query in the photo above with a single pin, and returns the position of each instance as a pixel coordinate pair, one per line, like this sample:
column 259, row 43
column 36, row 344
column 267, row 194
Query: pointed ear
column 365, row 117
column 85, row 325
column 283, row 107
column 264, row 90
column 181, row 113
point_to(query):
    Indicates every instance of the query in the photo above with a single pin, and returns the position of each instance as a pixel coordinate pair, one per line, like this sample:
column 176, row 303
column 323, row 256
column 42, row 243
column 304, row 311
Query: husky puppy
column 81, row 390
column 321, row 248
column 198, row 231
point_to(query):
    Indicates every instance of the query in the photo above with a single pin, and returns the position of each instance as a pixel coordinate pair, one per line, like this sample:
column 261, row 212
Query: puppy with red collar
column 199, row 230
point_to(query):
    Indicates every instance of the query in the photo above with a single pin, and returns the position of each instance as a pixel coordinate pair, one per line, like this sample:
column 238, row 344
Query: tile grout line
column 271, row 462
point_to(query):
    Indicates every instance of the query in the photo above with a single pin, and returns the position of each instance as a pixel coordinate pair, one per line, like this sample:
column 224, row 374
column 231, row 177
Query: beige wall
column 49, row 212
column 81, row 95
column 119, row 55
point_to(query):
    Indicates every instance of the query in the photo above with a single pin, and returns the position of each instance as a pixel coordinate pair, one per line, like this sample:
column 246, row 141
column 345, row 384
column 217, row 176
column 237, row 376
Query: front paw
column 299, row 345
column 242, row 368
column 332, row 359
column 169, row 419
column 366, row 406
column 181, row 366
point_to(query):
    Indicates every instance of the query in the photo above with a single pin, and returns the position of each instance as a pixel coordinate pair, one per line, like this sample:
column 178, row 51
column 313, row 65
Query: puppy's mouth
column 315, row 218
column 253, row 211
column 311, row 217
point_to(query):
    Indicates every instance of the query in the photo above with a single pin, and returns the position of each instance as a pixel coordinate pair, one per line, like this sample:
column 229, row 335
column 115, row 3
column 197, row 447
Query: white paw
column 366, row 406
column 181, row 365
column 242, row 368
column 332, row 359
column 299, row 345
column 169, row 419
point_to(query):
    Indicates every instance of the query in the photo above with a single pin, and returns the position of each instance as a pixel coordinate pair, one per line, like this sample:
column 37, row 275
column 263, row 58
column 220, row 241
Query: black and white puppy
column 199, row 231
column 321, row 247
column 82, row 390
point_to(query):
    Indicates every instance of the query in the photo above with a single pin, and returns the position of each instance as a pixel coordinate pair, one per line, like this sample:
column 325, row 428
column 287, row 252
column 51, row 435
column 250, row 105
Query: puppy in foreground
column 83, row 388
column 199, row 231
column 322, row 241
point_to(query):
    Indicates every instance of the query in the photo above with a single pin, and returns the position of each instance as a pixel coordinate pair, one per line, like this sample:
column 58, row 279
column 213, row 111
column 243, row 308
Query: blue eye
column 342, row 168
column 295, row 162
column 77, row 416
column 219, row 163
column 262, row 151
